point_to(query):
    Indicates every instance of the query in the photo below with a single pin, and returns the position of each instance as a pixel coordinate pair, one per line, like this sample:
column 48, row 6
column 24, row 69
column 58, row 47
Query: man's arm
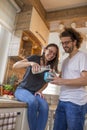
column 81, row 81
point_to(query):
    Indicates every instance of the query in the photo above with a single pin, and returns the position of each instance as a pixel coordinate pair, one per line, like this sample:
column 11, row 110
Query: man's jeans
column 37, row 108
column 69, row 116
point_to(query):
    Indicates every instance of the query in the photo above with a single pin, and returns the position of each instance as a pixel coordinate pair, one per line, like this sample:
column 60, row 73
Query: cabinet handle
column 18, row 113
column 41, row 36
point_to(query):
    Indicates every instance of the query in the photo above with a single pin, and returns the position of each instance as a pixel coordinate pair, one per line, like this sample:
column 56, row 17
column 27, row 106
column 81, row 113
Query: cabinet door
column 25, row 125
column 38, row 27
column 11, row 118
column 23, row 20
column 43, row 32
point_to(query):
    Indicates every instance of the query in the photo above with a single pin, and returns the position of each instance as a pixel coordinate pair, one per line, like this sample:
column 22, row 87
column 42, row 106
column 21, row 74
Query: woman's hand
column 40, row 94
column 35, row 67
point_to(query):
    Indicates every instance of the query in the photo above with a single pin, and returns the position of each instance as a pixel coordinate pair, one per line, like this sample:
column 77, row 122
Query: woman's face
column 50, row 53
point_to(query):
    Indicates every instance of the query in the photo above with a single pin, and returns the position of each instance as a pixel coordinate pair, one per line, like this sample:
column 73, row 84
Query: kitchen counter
column 14, row 112
column 11, row 103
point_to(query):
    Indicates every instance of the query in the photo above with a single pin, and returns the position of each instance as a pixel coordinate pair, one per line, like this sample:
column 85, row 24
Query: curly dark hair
column 54, row 62
column 73, row 34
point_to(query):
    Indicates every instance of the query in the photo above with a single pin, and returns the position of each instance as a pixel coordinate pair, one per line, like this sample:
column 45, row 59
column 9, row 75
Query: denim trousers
column 37, row 108
column 69, row 116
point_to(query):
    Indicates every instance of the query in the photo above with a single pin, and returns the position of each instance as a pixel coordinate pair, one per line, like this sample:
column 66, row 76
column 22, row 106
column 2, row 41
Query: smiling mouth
column 50, row 58
column 65, row 48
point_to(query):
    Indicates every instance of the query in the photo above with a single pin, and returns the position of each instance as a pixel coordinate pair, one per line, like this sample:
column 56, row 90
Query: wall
column 53, row 89
column 7, row 18
column 10, row 71
column 7, row 14
column 4, row 44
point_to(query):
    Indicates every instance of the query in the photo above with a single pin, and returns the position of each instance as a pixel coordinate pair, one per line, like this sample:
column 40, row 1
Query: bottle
column 42, row 69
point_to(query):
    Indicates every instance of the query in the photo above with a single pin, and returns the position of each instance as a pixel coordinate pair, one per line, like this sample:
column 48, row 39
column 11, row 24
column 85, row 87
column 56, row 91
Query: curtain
column 7, row 14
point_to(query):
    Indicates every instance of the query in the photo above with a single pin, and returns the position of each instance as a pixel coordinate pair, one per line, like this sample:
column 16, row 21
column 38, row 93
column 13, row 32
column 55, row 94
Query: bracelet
column 38, row 94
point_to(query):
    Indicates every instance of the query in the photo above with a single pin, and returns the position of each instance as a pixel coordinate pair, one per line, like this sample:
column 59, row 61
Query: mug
column 48, row 76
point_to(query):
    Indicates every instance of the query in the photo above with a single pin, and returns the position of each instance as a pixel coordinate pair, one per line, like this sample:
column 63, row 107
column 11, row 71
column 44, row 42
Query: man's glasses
column 66, row 42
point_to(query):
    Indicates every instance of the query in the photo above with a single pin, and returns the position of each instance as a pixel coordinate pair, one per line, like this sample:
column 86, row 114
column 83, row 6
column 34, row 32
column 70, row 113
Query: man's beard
column 68, row 50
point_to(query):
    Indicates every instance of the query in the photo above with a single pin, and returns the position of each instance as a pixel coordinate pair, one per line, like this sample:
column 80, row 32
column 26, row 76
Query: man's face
column 68, row 44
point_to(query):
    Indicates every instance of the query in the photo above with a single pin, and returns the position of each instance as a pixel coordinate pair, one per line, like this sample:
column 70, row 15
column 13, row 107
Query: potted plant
column 9, row 87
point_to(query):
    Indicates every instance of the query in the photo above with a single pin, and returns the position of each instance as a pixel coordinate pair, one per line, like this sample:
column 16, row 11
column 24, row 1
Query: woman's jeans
column 69, row 116
column 37, row 108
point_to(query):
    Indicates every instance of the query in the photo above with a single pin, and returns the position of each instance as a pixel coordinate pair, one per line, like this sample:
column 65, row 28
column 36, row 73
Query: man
column 71, row 109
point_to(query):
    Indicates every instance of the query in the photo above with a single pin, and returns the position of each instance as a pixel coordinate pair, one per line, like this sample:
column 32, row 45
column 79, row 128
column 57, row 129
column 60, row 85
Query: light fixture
column 25, row 38
column 61, row 26
column 73, row 25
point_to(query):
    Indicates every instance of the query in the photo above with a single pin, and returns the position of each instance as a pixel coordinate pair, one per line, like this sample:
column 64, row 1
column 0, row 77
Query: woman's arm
column 43, row 88
column 22, row 63
column 39, row 92
column 26, row 63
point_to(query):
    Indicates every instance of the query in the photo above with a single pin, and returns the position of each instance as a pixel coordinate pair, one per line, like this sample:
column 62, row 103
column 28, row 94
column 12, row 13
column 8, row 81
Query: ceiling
column 59, row 13
column 60, row 5
column 52, row 5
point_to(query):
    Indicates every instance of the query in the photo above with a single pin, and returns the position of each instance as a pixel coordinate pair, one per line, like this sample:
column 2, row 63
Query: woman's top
column 33, row 82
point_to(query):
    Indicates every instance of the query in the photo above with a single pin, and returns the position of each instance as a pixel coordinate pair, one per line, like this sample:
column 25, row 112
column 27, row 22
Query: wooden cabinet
column 28, row 45
column 32, row 22
column 38, row 27
column 12, row 114
column 25, row 46
column 30, row 34
column 12, row 120
column 23, row 20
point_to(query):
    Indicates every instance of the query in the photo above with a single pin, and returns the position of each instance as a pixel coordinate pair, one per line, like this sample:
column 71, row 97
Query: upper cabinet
column 32, row 22
column 28, row 24
column 38, row 27
column 29, row 46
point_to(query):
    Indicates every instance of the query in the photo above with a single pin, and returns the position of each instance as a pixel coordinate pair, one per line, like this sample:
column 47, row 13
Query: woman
column 32, row 85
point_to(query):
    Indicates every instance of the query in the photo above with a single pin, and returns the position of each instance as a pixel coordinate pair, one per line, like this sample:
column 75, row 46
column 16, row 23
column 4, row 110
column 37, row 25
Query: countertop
column 11, row 103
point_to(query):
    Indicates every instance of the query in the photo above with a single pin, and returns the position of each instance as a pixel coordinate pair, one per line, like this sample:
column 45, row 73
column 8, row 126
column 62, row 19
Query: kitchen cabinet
column 11, row 121
column 29, row 46
column 39, row 28
column 30, row 34
column 13, row 115
column 23, row 20
column 32, row 22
